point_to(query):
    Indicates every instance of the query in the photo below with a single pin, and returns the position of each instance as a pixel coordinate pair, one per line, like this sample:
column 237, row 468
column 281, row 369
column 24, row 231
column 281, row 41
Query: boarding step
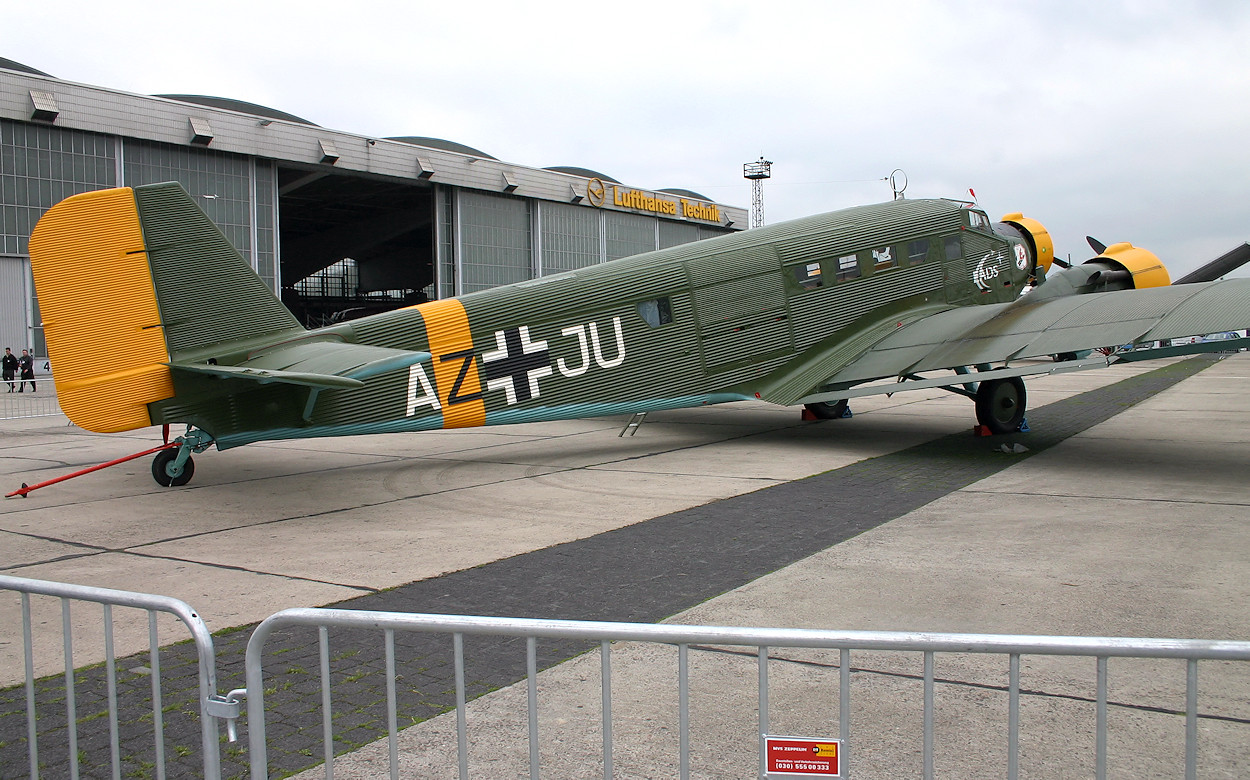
column 632, row 426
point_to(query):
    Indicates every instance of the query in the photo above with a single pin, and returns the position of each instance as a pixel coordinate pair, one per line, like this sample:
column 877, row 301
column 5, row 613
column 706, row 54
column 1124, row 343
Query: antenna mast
column 757, row 172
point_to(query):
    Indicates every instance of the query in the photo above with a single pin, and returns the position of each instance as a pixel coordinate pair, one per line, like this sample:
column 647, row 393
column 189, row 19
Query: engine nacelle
column 1035, row 236
column 1143, row 267
column 1119, row 267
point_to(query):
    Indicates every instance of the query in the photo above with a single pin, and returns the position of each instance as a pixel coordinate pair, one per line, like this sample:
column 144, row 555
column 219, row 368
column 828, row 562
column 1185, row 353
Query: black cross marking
column 515, row 364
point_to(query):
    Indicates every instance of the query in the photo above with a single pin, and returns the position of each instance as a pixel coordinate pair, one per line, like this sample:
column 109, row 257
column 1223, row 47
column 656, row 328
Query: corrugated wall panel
column 13, row 304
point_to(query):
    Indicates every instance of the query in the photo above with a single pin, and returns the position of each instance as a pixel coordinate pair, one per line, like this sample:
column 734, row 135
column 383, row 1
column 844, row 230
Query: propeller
column 1098, row 246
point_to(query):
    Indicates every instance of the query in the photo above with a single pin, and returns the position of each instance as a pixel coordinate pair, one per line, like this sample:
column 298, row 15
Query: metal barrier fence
column 683, row 637
column 108, row 599
column 31, row 402
column 764, row 643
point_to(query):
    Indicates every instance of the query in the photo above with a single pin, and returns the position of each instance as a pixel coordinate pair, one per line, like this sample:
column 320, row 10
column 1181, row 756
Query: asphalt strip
column 644, row 573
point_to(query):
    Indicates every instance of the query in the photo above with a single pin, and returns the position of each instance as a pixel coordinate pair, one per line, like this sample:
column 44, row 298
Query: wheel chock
column 981, row 430
column 1024, row 426
column 808, row 416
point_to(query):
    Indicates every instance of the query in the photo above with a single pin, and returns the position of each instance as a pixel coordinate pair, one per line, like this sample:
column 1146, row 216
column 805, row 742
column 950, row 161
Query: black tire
column 1001, row 404
column 828, row 411
column 160, row 473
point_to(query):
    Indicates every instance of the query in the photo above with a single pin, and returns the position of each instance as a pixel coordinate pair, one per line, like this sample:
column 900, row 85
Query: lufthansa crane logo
column 596, row 192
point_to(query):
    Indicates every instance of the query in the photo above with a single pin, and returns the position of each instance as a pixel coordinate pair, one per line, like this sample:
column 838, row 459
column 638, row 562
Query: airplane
column 152, row 318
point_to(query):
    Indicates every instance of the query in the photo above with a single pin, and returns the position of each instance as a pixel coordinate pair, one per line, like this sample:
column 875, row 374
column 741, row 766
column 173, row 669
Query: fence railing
column 108, row 599
column 683, row 637
column 31, row 402
column 765, row 645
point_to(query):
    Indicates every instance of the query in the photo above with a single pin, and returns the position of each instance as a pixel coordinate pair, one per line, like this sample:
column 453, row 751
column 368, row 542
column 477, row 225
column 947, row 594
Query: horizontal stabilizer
column 313, row 363
column 267, row 375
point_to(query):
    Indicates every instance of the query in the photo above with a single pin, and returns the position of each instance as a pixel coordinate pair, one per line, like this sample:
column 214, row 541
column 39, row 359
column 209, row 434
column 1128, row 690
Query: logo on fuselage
column 987, row 269
column 1022, row 257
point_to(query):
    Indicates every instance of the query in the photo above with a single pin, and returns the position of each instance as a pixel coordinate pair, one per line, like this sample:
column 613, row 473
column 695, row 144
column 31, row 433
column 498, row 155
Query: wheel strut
column 173, row 468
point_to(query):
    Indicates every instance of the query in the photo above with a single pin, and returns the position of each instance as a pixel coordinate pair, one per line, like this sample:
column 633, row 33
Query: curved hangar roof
column 243, row 106
column 8, row 64
column 439, row 143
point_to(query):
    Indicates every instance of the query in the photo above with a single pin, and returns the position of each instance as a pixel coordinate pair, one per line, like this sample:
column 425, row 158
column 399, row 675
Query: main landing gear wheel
column 163, row 465
column 828, row 410
column 1001, row 404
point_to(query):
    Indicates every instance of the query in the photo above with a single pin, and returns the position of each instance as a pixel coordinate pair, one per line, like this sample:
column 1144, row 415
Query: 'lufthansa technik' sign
column 597, row 192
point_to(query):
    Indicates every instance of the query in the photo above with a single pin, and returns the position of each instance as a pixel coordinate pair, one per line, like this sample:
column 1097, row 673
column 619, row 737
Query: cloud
column 1126, row 120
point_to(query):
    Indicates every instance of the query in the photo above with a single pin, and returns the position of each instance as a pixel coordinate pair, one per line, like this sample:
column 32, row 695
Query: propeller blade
column 1229, row 261
column 1098, row 246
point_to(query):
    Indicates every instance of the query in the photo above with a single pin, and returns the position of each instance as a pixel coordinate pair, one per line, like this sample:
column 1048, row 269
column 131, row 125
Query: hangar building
column 338, row 224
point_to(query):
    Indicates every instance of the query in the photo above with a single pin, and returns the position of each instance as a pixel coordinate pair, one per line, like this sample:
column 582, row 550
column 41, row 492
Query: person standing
column 26, row 364
column 8, row 365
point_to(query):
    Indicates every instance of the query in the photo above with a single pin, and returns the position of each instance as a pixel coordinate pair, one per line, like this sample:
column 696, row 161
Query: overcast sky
column 1129, row 121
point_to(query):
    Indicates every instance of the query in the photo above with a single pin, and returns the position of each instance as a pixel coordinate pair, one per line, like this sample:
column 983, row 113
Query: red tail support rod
column 24, row 489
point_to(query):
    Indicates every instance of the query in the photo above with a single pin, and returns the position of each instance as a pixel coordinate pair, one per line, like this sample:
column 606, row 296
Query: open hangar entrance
column 352, row 244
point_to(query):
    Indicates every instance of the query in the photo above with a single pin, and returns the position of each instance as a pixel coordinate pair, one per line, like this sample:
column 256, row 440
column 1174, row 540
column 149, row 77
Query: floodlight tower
column 757, row 172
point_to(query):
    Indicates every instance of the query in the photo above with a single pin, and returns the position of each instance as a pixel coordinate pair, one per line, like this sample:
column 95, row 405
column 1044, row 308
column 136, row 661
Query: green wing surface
column 1001, row 333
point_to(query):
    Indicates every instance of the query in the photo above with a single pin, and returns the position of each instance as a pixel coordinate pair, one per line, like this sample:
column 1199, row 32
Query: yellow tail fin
column 100, row 314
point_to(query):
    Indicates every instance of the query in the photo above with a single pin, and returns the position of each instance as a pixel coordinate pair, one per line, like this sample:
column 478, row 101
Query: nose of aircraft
column 1035, row 236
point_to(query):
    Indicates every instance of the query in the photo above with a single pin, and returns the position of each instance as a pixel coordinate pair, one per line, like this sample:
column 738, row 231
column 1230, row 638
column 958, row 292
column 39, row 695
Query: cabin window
column 808, row 276
column 884, row 259
column 656, row 312
column 951, row 245
column 848, row 268
column 917, row 251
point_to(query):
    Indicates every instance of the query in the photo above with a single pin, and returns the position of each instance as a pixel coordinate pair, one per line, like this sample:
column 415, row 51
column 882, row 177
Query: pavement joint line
column 775, row 657
column 1135, row 499
column 261, row 572
column 759, row 532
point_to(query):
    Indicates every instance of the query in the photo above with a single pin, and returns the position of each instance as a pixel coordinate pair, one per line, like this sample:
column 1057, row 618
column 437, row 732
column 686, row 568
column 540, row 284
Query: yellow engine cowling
column 1145, row 268
column 1039, row 238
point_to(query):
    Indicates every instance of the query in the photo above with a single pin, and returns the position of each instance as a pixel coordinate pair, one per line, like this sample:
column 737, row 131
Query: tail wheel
column 828, row 411
column 162, row 465
column 1001, row 404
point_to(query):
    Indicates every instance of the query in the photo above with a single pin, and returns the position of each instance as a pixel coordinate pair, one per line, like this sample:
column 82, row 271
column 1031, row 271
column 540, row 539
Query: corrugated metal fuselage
column 765, row 313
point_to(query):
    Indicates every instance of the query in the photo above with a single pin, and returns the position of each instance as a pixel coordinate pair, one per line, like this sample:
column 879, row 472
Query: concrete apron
column 291, row 524
column 1136, row 527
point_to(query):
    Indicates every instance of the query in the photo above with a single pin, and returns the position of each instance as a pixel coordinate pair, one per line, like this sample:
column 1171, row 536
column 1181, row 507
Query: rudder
column 129, row 280
column 100, row 316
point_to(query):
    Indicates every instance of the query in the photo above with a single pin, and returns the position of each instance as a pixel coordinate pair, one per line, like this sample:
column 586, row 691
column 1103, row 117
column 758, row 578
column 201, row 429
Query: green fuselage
column 769, row 313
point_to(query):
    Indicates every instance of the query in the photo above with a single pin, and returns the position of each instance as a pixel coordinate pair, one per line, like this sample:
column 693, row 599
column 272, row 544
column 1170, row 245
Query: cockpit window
column 978, row 221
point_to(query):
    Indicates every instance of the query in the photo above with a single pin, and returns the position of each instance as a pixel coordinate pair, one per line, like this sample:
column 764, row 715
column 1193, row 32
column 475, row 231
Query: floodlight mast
column 757, row 172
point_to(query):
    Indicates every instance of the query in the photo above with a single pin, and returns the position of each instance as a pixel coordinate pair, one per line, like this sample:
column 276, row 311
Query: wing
column 999, row 334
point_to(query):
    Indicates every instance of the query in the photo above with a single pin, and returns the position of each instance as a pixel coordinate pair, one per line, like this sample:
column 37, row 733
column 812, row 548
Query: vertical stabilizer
column 100, row 316
column 208, row 294
column 129, row 280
